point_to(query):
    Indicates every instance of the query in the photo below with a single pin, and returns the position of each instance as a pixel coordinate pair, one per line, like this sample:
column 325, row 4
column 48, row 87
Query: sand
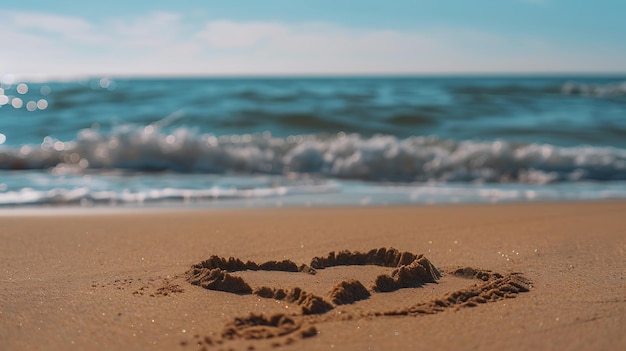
column 514, row 276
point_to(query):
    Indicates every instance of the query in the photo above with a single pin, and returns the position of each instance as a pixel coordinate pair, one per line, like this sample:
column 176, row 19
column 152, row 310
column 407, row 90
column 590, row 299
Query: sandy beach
column 545, row 276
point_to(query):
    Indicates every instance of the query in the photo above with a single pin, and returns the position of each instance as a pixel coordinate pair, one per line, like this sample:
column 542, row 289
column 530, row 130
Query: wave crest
column 351, row 156
column 595, row 90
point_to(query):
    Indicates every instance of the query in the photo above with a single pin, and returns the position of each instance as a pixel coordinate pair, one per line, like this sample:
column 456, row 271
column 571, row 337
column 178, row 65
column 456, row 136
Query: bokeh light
column 22, row 88
column 17, row 103
column 42, row 104
column 7, row 80
column 45, row 90
column 107, row 83
column 31, row 106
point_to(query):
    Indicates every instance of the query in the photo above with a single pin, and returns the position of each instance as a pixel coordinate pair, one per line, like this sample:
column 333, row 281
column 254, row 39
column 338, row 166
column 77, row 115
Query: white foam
column 93, row 196
column 597, row 90
column 377, row 158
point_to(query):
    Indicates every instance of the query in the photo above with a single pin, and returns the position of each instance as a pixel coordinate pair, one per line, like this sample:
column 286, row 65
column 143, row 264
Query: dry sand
column 534, row 276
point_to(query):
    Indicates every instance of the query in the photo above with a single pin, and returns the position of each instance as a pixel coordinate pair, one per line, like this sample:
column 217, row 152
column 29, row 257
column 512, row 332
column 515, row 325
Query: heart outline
column 409, row 271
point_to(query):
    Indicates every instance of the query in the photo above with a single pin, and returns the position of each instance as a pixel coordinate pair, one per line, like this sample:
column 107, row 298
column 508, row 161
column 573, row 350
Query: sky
column 43, row 39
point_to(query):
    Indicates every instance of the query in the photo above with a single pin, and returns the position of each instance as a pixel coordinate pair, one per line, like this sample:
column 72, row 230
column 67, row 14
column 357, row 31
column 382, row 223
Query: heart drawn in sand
column 406, row 270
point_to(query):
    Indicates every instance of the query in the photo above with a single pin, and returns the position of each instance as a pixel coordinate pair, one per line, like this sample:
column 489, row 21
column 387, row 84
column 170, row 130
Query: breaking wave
column 344, row 156
column 597, row 90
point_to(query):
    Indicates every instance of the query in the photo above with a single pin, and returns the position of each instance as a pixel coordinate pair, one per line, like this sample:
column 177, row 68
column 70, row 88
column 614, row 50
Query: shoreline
column 78, row 210
column 84, row 280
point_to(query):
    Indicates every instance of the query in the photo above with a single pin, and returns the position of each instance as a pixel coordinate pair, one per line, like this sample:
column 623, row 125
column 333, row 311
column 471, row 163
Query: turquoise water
column 312, row 141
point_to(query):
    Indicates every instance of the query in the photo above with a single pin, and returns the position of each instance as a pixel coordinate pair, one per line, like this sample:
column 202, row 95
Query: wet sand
column 515, row 276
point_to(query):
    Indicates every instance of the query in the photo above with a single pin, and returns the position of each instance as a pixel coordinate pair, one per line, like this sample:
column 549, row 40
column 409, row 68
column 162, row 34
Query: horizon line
column 15, row 78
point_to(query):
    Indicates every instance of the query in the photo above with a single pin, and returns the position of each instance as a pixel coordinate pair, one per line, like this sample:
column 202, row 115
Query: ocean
column 313, row 141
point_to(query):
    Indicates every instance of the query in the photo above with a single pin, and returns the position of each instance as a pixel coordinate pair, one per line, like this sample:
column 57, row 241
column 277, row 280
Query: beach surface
column 513, row 276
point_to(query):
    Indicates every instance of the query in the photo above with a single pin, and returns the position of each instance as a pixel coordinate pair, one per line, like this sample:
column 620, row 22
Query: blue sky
column 67, row 38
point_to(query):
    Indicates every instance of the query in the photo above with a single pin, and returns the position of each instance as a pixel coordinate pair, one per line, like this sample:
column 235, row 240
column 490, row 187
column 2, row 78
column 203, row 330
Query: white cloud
column 50, row 23
column 233, row 35
column 149, row 31
column 37, row 45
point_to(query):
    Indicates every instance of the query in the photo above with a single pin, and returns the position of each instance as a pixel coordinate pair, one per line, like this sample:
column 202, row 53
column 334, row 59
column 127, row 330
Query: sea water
column 313, row 141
